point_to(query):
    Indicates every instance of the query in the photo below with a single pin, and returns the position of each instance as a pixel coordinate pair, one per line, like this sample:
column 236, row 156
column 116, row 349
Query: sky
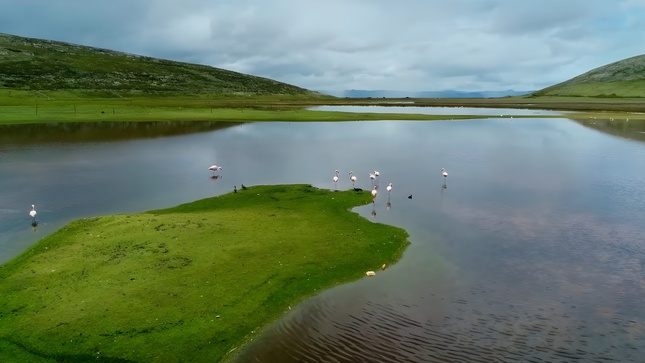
column 336, row 45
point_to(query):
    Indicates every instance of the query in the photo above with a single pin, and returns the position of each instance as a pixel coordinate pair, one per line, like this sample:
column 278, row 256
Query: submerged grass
column 189, row 283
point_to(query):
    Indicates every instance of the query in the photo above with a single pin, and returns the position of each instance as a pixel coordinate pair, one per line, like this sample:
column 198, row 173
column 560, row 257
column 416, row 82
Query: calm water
column 441, row 110
column 534, row 250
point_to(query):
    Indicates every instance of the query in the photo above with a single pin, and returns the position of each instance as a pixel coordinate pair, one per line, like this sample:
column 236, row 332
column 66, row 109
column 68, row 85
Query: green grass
column 20, row 107
column 37, row 64
column 622, row 79
column 189, row 283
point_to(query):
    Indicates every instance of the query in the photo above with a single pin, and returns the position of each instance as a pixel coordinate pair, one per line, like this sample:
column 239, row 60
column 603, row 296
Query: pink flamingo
column 352, row 177
column 215, row 168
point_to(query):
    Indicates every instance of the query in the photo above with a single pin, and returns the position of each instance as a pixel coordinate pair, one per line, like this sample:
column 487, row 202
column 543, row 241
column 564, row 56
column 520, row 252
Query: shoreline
column 93, row 265
column 62, row 107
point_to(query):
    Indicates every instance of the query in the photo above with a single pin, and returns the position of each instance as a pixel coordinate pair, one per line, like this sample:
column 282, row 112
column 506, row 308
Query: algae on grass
column 185, row 283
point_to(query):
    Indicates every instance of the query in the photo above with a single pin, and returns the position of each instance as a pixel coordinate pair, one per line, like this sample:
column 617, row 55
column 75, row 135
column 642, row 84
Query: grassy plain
column 19, row 107
column 189, row 283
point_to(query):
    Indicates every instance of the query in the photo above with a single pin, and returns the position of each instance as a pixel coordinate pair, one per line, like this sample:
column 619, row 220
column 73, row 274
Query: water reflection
column 623, row 127
column 440, row 110
column 35, row 134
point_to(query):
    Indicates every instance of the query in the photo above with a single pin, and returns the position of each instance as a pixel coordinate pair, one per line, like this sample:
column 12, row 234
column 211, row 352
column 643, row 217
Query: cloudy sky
column 335, row 45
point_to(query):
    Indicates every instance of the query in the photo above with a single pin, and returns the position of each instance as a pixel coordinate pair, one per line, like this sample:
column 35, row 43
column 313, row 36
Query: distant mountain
column 625, row 78
column 427, row 94
column 45, row 65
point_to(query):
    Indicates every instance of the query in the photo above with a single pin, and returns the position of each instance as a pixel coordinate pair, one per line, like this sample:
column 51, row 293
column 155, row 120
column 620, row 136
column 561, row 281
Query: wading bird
column 215, row 168
column 374, row 191
column 389, row 188
column 335, row 179
column 352, row 177
column 32, row 213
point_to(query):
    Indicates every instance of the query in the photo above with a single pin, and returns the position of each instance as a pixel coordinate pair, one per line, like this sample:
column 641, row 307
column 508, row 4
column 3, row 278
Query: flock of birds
column 373, row 176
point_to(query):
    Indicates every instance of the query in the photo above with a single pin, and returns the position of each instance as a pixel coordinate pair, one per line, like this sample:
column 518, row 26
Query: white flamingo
column 352, row 177
column 389, row 188
column 335, row 178
column 372, row 177
column 374, row 192
column 445, row 175
column 33, row 213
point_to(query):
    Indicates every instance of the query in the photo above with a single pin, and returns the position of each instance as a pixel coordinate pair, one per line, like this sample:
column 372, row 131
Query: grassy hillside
column 44, row 81
column 622, row 79
column 44, row 65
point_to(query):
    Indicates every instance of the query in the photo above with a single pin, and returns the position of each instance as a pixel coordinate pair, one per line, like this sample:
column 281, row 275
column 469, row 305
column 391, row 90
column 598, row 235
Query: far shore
column 25, row 107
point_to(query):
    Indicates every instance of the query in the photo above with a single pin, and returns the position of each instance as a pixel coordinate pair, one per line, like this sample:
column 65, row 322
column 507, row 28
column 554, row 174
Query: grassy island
column 189, row 283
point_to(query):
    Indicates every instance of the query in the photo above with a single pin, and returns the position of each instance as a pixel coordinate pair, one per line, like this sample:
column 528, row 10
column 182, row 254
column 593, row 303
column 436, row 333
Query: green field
column 189, row 283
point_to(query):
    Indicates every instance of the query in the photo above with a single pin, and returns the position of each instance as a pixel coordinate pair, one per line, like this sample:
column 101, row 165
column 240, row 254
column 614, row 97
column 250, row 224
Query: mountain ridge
column 40, row 64
column 621, row 79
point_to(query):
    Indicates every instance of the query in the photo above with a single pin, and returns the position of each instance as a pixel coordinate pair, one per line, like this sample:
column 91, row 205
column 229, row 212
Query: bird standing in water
column 352, row 177
column 215, row 168
column 335, row 179
column 445, row 176
column 389, row 188
column 32, row 214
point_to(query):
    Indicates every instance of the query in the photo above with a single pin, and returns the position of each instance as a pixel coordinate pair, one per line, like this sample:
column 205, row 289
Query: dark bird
column 234, row 188
column 410, row 196
column 243, row 187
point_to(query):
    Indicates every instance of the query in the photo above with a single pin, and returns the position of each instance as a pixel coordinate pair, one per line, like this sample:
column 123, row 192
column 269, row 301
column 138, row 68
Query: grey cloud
column 360, row 44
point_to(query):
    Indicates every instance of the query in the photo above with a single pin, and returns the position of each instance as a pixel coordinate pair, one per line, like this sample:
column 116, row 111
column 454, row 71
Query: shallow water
column 442, row 110
column 533, row 250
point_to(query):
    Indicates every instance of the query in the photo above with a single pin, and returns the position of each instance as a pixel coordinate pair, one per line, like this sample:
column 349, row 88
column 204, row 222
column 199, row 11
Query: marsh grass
column 20, row 107
column 189, row 283
column 61, row 107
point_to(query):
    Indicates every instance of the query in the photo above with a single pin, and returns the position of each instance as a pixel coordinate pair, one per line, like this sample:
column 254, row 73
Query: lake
column 532, row 249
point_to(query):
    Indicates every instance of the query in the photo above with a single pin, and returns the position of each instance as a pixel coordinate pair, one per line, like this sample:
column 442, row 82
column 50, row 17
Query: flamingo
column 335, row 178
column 215, row 168
column 352, row 177
column 444, row 173
column 374, row 192
column 389, row 188
column 33, row 213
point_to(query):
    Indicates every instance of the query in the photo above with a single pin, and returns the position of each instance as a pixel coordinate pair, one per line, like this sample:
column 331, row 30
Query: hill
column 621, row 79
column 44, row 65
